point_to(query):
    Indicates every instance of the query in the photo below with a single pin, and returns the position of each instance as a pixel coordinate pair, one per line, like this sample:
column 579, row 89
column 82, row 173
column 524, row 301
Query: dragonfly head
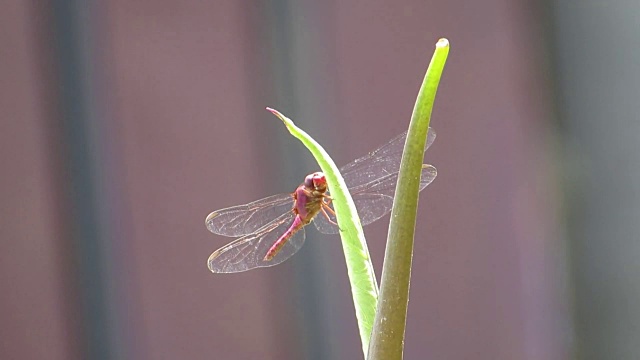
column 316, row 181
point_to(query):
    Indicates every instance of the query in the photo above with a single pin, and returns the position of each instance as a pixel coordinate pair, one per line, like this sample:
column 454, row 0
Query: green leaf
column 387, row 339
column 364, row 287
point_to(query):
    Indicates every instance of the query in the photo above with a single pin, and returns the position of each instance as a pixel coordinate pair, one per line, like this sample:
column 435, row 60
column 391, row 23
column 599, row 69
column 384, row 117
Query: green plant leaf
column 364, row 287
column 387, row 339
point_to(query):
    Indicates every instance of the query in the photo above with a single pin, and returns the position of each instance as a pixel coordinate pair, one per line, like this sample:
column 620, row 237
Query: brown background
column 125, row 123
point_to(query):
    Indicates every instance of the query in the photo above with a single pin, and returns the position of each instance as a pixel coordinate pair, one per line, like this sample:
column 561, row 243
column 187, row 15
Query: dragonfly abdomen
column 277, row 246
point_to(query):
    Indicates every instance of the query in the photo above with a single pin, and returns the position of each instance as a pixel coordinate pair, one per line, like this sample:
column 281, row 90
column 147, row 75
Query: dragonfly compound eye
column 319, row 180
column 308, row 181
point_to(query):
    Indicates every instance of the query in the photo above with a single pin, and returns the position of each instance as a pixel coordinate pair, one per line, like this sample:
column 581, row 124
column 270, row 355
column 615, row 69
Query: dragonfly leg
column 325, row 205
column 325, row 208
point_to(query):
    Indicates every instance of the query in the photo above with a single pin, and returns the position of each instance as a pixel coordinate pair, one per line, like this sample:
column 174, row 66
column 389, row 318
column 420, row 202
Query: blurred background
column 124, row 123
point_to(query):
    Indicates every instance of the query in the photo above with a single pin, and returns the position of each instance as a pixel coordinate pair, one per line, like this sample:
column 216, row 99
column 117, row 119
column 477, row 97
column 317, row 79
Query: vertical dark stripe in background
column 598, row 81
column 71, row 25
column 281, row 36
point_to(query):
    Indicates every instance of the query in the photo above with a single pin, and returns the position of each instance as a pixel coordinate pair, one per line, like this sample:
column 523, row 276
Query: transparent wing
column 247, row 219
column 248, row 252
column 381, row 162
column 374, row 199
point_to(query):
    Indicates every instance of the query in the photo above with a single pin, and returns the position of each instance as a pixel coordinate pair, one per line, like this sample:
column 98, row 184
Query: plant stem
column 387, row 339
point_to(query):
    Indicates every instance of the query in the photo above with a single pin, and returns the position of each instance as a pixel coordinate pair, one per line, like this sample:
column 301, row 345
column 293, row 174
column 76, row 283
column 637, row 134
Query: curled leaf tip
column 284, row 119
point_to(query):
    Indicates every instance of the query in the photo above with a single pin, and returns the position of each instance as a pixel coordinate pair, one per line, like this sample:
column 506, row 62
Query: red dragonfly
column 271, row 230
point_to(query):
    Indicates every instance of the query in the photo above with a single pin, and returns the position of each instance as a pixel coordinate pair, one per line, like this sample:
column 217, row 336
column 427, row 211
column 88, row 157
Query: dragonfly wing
column 248, row 252
column 429, row 173
column 247, row 219
column 386, row 185
column 380, row 162
column 370, row 208
column 374, row 200
column 323, row 225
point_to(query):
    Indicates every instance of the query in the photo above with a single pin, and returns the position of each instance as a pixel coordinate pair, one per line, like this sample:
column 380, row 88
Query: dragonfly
column 271, row 230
